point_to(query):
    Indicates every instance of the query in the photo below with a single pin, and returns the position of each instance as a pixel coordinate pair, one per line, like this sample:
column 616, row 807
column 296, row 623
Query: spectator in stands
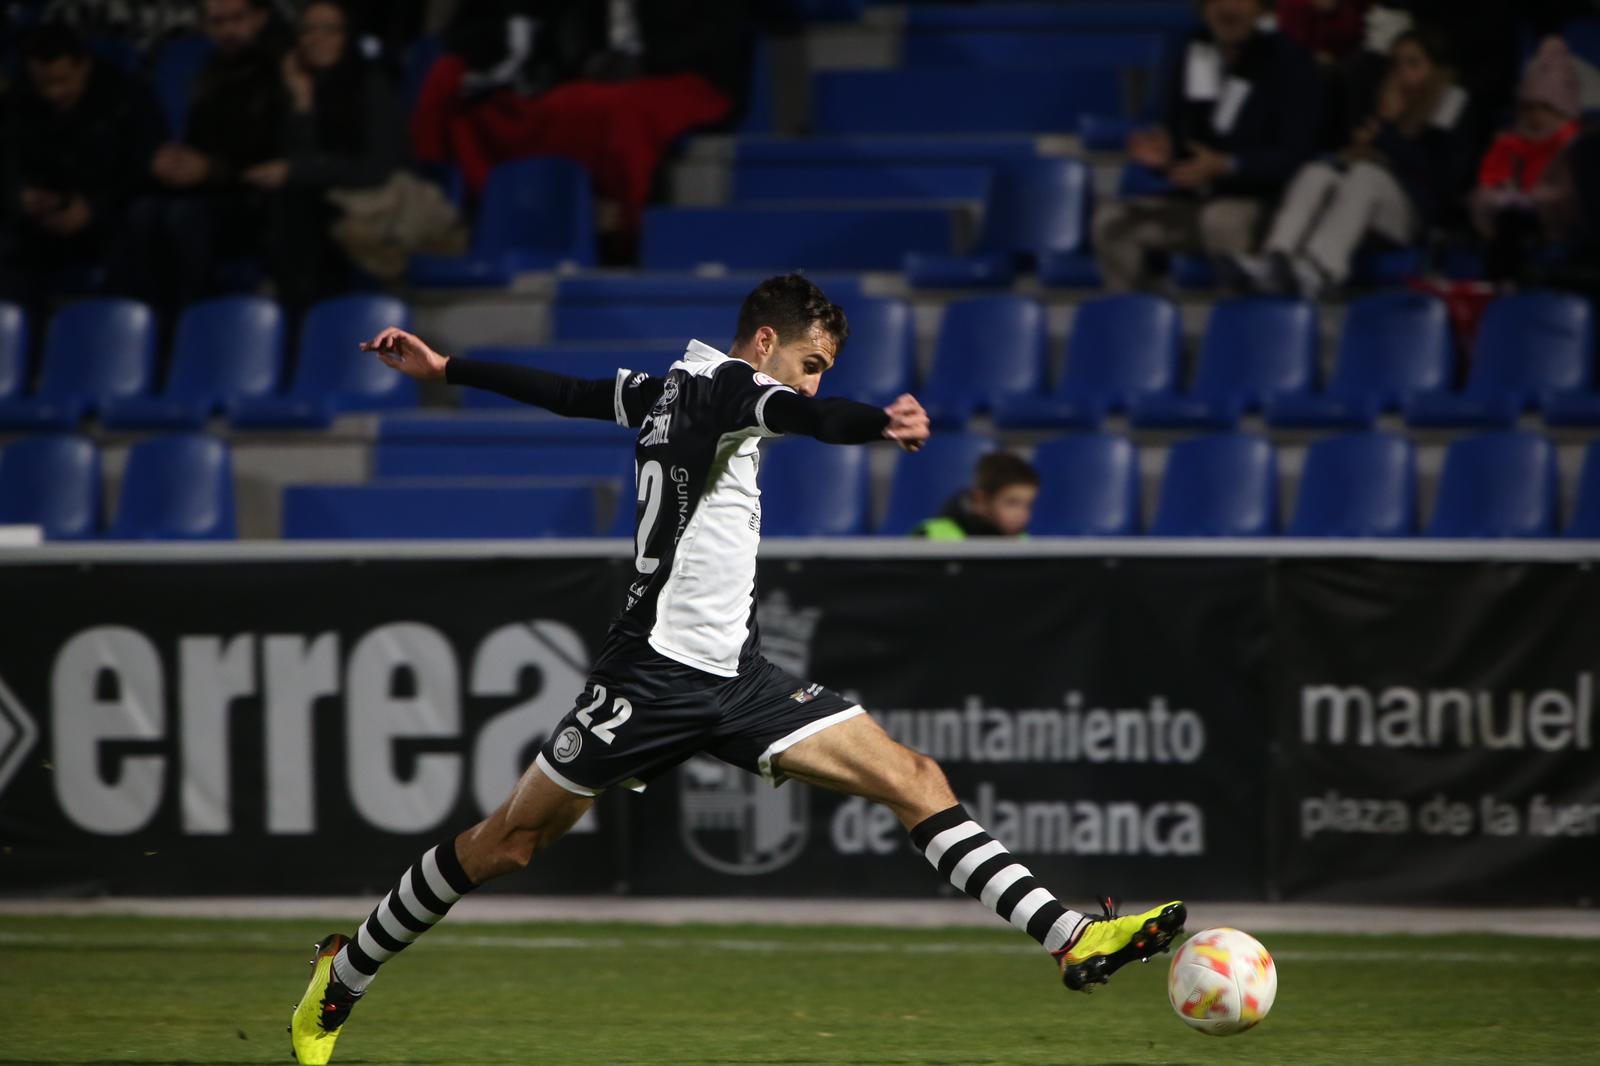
column 1407, row 168
column 80, row 139
column 345, row 129
column 999, row 503
column 1503, row 205
column 611, row 86
column 1328, row 29
column 237, row 120
column 1241, row 117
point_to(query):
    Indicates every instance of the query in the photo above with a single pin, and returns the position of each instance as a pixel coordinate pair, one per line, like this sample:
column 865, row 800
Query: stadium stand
column 14, row 342
column 1088, row 487
column 96, row 350
column 506, row 509
column 1357, row 485
column 1219, row 486
column 811, row 489
column 1586, row 514
column 922, row 483
column 1497, row 485
column 990, row 349
column 52, row 482
column 176, row 488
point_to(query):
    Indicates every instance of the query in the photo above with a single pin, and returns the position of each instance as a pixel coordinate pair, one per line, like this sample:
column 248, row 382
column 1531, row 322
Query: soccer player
column 681, row 670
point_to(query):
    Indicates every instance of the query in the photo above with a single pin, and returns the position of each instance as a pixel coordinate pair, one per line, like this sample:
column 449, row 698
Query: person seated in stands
column 1407, row 168
column 345, row 129
column 999, row 503
column 1332, row 31
column 611, row 86
column 1504, row 210
column 80, row 136
column 1241, row 117
column 237, row 119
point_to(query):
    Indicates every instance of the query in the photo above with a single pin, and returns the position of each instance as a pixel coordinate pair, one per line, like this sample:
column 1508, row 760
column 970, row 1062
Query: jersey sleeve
column 633, row 396
column 739, row 397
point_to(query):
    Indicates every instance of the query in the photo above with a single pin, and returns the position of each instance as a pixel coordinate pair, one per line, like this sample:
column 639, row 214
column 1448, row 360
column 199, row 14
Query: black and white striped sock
column 426, row 892
column 978, row 864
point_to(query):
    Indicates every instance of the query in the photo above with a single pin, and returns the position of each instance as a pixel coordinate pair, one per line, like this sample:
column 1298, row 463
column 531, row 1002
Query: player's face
column 1009, row 509
column 60, row 82
column 800, row 363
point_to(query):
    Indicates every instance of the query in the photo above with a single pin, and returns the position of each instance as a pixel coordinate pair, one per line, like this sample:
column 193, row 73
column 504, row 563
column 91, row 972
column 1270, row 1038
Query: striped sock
column 980, row 865
column 426, row 892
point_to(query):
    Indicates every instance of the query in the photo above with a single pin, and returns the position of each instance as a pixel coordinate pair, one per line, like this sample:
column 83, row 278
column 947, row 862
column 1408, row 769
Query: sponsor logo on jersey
column 735, row 823
column 656, row 428
column 764, row 379
column 637, row 380
column 568, row 744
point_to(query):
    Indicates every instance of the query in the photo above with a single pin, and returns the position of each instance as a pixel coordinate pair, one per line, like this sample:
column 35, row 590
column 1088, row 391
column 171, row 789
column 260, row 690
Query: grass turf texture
column 148, row 991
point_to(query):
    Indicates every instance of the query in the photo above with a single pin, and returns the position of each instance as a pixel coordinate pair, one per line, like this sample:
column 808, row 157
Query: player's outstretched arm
column 573, row 397
column 839, row 421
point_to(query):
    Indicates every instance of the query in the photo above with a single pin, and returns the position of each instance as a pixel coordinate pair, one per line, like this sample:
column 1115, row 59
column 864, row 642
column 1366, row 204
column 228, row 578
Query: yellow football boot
column 1105, row 945
column 323, row 1010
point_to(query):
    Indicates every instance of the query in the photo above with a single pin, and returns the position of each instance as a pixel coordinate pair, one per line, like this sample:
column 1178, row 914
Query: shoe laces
column 1108, row 908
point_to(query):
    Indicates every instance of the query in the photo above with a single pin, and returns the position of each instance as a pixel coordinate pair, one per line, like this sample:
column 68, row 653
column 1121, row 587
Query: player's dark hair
column 1001, row 470
column 53, row 41
column 791, row 305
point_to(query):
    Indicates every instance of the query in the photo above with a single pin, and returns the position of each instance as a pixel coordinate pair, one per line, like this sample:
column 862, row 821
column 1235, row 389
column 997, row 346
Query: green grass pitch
column 142, row 992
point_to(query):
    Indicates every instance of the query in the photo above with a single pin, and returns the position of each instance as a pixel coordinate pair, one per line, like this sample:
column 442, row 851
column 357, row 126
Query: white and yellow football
column 1222, row 982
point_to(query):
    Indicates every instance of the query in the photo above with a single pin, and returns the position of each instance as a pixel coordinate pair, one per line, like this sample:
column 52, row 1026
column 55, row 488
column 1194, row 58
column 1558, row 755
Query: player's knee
column 925, row 781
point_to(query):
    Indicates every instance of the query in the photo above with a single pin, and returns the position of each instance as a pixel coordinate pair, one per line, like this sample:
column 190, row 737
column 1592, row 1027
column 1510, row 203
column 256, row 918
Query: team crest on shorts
column 735, row 823
column 568, row 744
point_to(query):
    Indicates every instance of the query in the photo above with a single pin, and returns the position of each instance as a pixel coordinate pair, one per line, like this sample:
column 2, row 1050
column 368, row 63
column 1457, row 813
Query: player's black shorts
column 641, row 714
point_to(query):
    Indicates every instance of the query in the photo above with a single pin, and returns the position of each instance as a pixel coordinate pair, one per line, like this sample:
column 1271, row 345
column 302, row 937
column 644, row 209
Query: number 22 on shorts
column 621, row 711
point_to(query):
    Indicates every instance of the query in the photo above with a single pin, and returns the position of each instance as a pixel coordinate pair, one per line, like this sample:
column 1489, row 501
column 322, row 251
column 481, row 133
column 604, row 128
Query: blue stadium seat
column 930, row 47
column 674, row 323
column 1357, row 485
column 1088, row 487
column 226, row 350
column 1585, row 515
column 986, row 150
column 332, row 374
column 51, row 482
column 578, row 362
column 509, row 509
column 1033, row 209
column 1529, row 344
column 1497, row 485
column 1220, row 486
column 526, row 425
column 967, row 100
column 776, row 238
column 14, row 343
column 1395, row 346
column 760, row 181
column 811, row 489
column 1121, row 348
column 990, row 350
column 176, row 488
column 676, row 290
column 588, row 462
column 879, row 361
column 1255, row 349
column 536, row 214
column 177, row 64
column 95, row 350
column 925, row 480
column 1104, row 16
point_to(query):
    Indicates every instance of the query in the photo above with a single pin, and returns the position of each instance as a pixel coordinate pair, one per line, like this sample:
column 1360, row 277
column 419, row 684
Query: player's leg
column 855, row 756
column 536, row 815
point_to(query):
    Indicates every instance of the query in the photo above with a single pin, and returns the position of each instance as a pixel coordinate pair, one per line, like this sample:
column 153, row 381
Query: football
column 1222, row 982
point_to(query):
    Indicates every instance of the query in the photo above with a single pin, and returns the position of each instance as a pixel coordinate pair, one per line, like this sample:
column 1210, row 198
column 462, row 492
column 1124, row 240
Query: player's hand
column 407, row 353
column 908, row 423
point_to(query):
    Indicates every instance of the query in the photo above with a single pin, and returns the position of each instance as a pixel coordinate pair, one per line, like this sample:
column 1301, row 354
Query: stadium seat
column 746, row 237
column 879, row 361
column 525, row 426
column 1497, row 485
column 1585, row 515
column 924, row 481
column 52, row 482
column 509, row 509
column 1033, row 208
column 13, row 350
column 536, row 214
column 1121, row 348
column 1358, row 485
column 990, row 350
column 941, row 47
column 678, row 289
column 988, row 150
column 1106, row 16
column 1529, row 344
column 332, row 373
column 676, row 324
column 226, row 349
column 177, row 64
column 176, row 488
column 1394, row 347
column 811, row 489
column 1088, row 487
column 970, row 100
column 587, row 462
column 1219, row 486
column 591, row 364
column 760, row 181
column 95, row 350
column 1255, row 349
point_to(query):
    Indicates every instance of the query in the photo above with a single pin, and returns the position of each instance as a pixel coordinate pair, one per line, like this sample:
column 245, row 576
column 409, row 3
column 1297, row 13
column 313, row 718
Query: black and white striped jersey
column 698, row 518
